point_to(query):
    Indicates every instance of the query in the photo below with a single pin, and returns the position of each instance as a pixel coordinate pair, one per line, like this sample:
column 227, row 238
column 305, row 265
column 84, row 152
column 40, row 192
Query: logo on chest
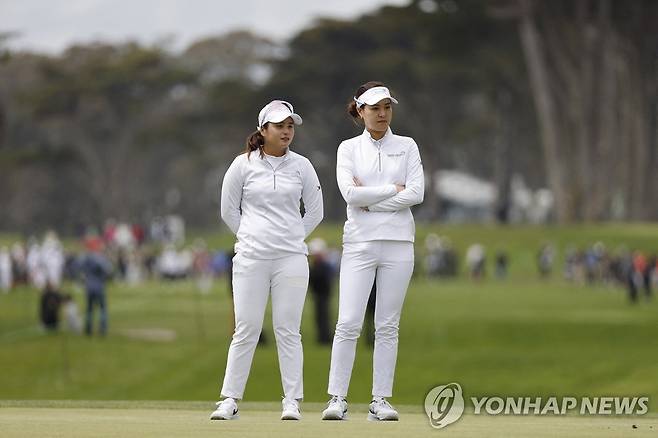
column 396, row 155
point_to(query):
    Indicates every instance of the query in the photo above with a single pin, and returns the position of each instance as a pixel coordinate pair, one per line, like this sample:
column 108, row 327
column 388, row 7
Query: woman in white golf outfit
column 380, row 175
column 260, row 202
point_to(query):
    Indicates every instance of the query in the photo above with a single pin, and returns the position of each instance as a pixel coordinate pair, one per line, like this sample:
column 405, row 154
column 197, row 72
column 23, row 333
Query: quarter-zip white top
column 375, row 210
column 260, row 203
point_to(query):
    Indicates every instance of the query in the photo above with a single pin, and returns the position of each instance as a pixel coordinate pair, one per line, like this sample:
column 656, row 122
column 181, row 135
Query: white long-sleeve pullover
column 379, row 165
column 260, row 203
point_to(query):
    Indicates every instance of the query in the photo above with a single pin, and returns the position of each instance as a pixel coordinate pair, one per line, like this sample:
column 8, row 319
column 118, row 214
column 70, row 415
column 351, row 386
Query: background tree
column 592, row 66
column 459, row 74
column 564, row 94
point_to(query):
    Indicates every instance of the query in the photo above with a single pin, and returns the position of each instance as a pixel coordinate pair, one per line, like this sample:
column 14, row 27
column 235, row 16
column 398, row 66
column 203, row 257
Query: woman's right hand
column 399, row 187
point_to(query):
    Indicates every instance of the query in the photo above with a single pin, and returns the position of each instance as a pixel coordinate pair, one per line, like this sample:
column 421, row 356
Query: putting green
column 158, row 419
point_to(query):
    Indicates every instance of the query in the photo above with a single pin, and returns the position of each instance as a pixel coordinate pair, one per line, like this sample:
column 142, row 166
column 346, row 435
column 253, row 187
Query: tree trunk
column 535, row 56
column 594, row 90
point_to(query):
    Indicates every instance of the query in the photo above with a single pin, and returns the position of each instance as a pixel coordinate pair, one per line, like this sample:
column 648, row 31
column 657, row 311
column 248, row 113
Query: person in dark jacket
column 51, row 300
column 321, row 278
column 96, row 270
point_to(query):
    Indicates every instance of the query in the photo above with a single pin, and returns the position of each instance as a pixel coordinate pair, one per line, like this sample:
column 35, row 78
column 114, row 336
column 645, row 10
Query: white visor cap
column 277, row 111
column 374, row 95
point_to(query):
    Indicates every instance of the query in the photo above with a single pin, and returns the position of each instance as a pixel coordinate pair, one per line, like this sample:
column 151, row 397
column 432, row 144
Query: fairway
column 144, row 419
column 518, row 337
column 515, row 337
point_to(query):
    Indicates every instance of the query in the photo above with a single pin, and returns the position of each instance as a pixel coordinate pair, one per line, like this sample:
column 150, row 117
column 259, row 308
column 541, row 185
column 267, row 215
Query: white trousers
column 253, row 280
column 390, row 264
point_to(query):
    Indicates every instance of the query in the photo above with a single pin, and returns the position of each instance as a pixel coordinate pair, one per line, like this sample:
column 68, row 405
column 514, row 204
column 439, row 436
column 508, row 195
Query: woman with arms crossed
column 380, row 175
column 260, row 202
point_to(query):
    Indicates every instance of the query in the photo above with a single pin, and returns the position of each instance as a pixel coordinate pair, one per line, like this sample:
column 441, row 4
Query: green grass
column 518, row 337
column 148, row 419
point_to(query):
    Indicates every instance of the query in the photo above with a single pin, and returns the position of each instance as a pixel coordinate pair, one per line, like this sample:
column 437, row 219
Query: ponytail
column 353, row 111
column 255, row 142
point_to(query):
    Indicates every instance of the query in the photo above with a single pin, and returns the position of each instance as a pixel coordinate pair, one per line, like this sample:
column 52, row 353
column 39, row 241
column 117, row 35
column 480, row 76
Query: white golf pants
column 253, row 280
column 390, row 264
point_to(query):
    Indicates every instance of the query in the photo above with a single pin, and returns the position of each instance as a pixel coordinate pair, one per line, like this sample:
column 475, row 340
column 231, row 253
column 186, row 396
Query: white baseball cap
column 374, row 95
column 277, row 111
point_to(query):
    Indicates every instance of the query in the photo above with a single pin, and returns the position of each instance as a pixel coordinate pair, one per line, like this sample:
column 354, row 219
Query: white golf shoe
column 336, row 409
column 381, row 410
column 290, row 409
column 227, row 409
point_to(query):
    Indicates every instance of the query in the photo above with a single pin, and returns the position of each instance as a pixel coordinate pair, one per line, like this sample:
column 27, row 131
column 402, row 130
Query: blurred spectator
column 53, row 260
column 201, row 266
column 615, row 267
column 150, row 262
column 36, row 268
column 639, row 268
column 648, row 276
column 475, row 260
column 71, row 314
column 545, row 260
column 109, row 229
column 450, row 260
column 6, row 270
column 51, row 300
column 434, row 259
column 654, row 275
column 96, row 270
column 321, row 276
column 19, row 263
column 501, row 263
column 70, row 266
column 175, row 229
column 173, row 264
column 123, row 237
column 570, row 262
column 120, row 262
column 134, row 265
column 594, row 262
column 642, row 271
column 441, row 260
column 170, row 229
column 138, row 234
column 625, row 272
column 579, row 267
column 220, row 263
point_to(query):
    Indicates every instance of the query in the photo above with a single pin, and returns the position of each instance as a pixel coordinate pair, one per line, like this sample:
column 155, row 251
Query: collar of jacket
column 285, row 156
column 381, row 141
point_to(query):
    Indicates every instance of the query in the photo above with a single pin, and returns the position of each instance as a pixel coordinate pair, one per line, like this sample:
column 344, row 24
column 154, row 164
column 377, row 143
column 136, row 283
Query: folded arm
column 354, row 195
column 414, row 190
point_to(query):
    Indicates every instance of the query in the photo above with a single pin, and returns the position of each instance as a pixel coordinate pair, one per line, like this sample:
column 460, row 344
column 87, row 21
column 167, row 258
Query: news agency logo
column 444, row 405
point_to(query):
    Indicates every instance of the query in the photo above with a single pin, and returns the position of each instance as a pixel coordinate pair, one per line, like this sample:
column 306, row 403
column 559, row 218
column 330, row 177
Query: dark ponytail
column 255, row 142
column 352, row 109
column 353, row 112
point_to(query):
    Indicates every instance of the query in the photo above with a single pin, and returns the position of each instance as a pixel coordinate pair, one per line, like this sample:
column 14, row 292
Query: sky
column 50, row 26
